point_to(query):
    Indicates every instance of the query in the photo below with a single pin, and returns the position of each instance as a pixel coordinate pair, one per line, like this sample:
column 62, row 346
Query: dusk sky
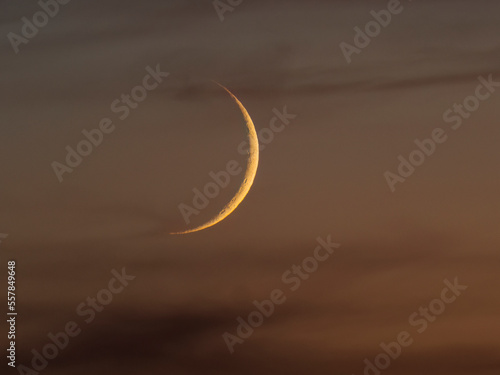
column 346, row 123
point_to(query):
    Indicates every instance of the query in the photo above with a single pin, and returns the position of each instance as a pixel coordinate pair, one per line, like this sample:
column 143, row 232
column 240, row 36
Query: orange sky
column 323, row 175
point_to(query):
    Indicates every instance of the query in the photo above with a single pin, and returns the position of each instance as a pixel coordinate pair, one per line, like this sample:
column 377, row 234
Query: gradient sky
column 321, row 176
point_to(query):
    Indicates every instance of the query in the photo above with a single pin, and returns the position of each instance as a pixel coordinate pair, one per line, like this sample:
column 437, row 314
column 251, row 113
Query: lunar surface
column 251, row 171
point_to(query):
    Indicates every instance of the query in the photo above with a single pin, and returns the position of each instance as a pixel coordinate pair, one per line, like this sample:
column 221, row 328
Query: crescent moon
column 251, row 171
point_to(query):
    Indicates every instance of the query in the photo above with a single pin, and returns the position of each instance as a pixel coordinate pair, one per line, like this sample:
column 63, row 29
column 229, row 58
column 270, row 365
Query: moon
column 251, row 170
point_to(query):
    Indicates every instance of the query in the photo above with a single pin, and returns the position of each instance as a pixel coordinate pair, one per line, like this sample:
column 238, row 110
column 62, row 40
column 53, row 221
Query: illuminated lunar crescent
column 251, row 171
